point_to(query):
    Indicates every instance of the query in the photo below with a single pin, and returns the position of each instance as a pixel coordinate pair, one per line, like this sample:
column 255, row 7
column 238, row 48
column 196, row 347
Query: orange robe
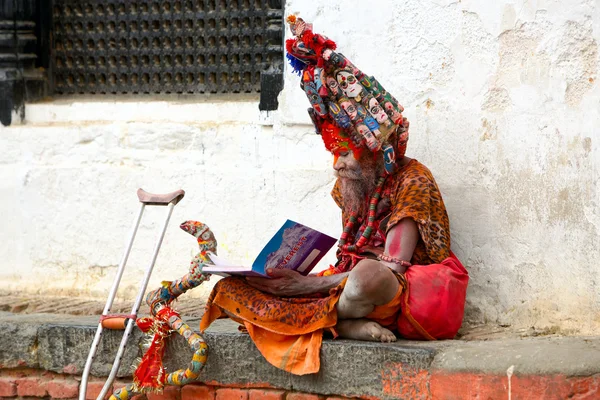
column 289, row 331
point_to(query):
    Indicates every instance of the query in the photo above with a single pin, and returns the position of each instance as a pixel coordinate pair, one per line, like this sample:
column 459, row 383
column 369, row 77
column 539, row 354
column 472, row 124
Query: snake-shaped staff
column 150, row 373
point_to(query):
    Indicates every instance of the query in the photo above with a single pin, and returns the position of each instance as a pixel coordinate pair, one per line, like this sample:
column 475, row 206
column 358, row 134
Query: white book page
column 221, row 262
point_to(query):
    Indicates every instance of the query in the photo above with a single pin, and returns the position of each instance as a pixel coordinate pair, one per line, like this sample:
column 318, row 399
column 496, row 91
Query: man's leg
column 369, row 284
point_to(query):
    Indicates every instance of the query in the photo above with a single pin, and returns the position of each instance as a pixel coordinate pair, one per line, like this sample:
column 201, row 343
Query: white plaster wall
column 70, row 175
column 504, row 107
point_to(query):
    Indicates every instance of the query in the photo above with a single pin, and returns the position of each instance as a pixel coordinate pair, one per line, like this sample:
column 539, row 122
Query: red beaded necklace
column 351, row 248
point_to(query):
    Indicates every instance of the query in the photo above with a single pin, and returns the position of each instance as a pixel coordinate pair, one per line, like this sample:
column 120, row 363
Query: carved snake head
column 205, row 237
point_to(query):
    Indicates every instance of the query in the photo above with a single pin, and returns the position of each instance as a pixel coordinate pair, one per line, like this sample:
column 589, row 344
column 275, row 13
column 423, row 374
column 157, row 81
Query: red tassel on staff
column 150, row 375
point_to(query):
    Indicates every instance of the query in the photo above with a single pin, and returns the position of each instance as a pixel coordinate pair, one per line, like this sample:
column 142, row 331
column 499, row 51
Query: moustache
column 348, row 174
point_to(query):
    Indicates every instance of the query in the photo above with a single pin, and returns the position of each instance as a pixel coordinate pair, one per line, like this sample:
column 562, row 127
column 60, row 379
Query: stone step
column 405, row 369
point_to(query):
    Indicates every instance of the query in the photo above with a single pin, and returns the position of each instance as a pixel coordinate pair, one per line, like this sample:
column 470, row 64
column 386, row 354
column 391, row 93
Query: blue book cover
column 294, row 246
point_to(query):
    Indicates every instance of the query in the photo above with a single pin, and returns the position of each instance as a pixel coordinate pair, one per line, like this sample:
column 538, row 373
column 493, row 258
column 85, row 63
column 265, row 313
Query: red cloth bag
column 434, row 300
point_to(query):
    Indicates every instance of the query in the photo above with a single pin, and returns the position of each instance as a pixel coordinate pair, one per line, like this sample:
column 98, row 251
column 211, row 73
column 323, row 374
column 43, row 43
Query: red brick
column 32, row 387
column 531, row 387
column 201, row 392
column 585, row 388
column 94, row 388
column 169, row 393
column 63, row 388
column 459, row 386
column 404, row 382
column 8, row 388
column 555, row 387
column 231, row 394
column 302, row 396
column 266, row 394
column 245, row 385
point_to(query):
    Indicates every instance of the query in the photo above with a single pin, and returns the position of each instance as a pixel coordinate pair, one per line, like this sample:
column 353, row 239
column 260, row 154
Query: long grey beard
column 357, row 187
column 354, row 193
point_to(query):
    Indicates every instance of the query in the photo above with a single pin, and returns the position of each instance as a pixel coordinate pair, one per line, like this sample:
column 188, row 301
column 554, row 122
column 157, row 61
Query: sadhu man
column 395, row 271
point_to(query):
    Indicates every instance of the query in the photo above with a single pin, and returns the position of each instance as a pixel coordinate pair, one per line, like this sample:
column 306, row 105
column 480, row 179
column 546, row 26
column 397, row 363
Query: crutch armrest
column 160, row 199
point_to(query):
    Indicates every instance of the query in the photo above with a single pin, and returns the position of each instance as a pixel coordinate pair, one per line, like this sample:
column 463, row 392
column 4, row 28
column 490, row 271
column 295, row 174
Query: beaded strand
column 351, row 248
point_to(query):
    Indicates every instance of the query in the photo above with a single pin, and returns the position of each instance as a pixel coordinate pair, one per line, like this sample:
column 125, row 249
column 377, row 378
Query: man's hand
column 283, row 283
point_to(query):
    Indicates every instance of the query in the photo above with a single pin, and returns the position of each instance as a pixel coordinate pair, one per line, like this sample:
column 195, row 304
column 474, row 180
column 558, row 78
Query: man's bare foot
column 364, row 329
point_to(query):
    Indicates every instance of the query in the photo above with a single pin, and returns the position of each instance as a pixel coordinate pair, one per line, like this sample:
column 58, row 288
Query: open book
column 294, row 246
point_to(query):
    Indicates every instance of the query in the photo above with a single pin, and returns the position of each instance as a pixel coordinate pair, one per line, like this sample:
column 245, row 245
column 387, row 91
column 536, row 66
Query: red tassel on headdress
column 289, row 45
column 317, row 43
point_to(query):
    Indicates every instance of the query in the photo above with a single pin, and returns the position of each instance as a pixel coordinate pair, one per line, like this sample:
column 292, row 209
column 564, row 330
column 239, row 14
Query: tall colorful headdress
column 350, row 109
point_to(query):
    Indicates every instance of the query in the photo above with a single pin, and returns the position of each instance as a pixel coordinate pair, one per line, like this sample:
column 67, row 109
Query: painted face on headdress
column 333, row 85
column 339, row 116
column 362, row 111
column 389, row 157
column 350, row 109
column 371, row 123
column 315, row 100
column 349, row 84
column 402, row 140
column 335, row 59
column 372, row 143
column 357, row 138
column 377, row 111
column 320, row 82
column 392, row 113
column 373, row 126
column 366, row 82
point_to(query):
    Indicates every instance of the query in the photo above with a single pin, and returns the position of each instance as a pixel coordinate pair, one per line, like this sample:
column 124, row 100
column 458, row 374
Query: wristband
column 388, row 258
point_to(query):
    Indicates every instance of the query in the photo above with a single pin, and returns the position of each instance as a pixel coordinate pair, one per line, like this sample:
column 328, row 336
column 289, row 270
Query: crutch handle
column 160, row 199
